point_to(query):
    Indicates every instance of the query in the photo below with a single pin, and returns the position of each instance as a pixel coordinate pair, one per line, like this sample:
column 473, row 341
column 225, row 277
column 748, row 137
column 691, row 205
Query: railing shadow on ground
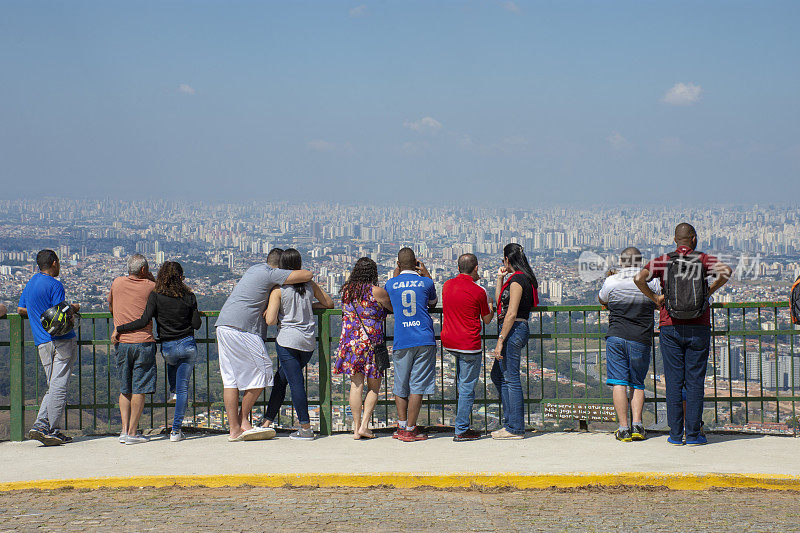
column 752, row 384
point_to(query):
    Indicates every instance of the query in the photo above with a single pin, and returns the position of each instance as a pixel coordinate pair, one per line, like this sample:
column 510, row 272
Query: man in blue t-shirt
column 414, row 349
column 57, row 354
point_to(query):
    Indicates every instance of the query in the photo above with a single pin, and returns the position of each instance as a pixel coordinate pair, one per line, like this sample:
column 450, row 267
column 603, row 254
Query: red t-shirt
column 464, row 302
column 658, row 270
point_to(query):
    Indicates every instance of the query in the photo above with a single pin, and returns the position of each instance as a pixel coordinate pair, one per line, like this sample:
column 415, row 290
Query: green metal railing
column 753, row 373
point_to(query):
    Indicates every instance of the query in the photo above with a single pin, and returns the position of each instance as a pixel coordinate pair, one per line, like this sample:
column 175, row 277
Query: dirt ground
column 378, row 509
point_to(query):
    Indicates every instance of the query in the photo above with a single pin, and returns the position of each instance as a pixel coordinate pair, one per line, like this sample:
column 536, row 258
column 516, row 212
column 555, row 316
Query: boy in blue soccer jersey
column 414, row 350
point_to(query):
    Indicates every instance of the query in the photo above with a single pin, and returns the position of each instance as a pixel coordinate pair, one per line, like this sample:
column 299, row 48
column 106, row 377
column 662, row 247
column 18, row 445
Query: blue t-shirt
column 40, row 294
column 411, row 294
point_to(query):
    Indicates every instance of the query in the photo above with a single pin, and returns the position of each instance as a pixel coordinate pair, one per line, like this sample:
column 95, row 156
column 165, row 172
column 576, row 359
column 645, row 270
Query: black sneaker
column 48, row 439
column 623, row 434
column 66, row 439
column 638, row 432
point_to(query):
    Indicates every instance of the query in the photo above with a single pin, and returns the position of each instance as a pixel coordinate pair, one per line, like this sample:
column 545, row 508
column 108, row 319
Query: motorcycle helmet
column 58, row 320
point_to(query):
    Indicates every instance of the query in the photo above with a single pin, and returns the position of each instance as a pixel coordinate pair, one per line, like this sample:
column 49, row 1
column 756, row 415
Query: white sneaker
column 122, row 437
column 136, row 439
column 177, row 437
column 258, row 433
column 173, row 399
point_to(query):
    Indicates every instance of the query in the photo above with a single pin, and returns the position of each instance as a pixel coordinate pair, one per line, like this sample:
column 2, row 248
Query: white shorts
column 243, row 359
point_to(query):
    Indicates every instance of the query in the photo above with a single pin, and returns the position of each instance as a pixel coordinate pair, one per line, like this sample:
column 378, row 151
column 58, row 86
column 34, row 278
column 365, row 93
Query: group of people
column 280, row 292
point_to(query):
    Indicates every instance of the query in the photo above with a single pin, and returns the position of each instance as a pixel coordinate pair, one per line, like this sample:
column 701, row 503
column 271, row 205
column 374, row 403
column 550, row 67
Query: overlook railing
column 753, row 375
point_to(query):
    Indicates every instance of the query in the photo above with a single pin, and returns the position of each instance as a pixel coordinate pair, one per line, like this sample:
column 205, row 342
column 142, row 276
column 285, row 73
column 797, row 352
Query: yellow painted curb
column 441, row 481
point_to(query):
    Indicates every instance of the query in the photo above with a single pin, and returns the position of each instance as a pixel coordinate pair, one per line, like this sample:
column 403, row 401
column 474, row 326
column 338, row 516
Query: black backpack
column 686, row 293
column 794, row 301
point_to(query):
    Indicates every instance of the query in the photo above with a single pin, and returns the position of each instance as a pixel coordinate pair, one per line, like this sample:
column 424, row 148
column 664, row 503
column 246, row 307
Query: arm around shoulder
column 298, row 276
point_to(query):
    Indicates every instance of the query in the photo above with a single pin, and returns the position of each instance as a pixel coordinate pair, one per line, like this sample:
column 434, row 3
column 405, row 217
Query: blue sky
column 492, row 102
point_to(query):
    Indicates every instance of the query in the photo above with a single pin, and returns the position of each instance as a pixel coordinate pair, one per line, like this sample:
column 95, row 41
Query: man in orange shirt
column 136, row 351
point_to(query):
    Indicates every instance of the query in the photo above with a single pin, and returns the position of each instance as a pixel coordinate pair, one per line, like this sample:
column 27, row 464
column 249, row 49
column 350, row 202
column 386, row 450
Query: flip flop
column 367, row 437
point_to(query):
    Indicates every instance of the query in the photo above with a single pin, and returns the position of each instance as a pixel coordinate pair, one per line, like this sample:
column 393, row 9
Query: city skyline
column 217, row 241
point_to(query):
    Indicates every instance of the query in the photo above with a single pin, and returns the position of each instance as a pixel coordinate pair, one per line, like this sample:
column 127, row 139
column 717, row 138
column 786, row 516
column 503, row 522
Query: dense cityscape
column 217, row 242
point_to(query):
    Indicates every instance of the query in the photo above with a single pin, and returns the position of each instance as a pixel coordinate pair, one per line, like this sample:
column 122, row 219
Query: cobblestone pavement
column 259, row 509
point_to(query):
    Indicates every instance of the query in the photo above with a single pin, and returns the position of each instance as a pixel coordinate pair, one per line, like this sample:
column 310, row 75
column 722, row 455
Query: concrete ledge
column 407, row 480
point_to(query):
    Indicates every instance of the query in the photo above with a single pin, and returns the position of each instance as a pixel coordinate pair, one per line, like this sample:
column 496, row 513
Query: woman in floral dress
column 361, row 294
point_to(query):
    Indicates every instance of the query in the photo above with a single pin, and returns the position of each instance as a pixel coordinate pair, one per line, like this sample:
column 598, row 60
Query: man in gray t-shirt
column 244, row 308
column 241, row 331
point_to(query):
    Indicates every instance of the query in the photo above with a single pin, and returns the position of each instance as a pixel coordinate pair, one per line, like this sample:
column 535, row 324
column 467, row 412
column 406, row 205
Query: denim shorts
column 627, row 362
column 414, row 371
column 136, row 368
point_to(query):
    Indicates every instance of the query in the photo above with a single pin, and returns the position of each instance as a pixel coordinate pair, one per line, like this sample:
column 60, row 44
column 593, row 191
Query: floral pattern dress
column 354, row 355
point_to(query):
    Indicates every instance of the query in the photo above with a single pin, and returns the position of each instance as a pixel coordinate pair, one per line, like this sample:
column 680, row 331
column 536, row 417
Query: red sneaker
column 413, row 435
column 396, row 434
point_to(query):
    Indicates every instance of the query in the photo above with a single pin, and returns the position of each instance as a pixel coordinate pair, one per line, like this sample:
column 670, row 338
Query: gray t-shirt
column 296, row 317
column 244, row 308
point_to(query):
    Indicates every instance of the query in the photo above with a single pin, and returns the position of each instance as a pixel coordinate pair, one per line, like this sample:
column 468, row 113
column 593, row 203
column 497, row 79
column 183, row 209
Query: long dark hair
column 516, row 258
column 363, row 276
column 169, row 281
column 291, row 259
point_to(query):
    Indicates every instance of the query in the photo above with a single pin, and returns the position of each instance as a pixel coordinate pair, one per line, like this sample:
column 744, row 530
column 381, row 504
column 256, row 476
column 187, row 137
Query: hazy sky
column 482, row 102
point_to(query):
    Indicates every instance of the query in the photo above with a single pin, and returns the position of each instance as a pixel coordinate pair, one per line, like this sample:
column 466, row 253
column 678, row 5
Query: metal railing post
column 17, row 377
column 325, row 399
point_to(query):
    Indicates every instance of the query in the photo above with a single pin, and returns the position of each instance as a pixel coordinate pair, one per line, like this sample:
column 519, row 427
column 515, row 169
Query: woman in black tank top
column 516, row 294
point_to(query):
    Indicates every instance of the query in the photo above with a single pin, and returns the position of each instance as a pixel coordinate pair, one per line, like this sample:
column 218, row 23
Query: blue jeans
column 684, row 350
column 290, row 372
column 505, row 376
column 179, row 356
column 468, row 369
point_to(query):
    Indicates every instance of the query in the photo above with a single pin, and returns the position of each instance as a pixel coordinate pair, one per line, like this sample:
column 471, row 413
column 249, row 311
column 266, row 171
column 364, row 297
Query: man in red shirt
column 465, row 304
column 684, row 341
